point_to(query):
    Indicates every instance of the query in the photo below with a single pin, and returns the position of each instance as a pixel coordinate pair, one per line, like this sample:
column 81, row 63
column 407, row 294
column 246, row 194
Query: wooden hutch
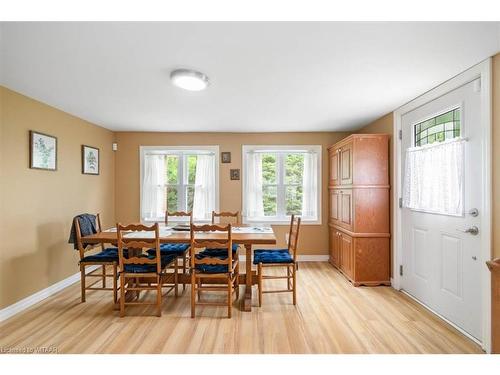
column 359, row 210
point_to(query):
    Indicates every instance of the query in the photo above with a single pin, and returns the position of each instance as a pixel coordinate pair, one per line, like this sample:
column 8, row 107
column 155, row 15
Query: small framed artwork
column 226, row 157
column 43, row 151
column 235, row 174
column 90, row 160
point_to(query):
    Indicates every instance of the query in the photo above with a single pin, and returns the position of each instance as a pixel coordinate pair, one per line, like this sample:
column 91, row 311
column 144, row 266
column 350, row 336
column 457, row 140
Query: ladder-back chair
column 140, row 271
column 180, row 250
column 106, row 257
column 280, row 258
column 218, row 265
column 232, row 218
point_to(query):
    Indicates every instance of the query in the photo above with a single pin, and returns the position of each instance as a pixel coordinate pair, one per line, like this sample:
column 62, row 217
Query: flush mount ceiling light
column 188, row 79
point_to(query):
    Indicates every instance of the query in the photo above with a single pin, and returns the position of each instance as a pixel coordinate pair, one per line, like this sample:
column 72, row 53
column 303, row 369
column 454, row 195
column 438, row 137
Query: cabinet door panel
column 346, row 250
column 346, row 164
column 334, row 168
column 346, row 209
column 334, row 248
column 334, row 206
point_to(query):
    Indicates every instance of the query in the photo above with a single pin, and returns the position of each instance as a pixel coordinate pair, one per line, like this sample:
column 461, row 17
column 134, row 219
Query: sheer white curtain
column 434, row 178
column 254, row 205
column 153, row 187
column 204, row 190
column 310, row 186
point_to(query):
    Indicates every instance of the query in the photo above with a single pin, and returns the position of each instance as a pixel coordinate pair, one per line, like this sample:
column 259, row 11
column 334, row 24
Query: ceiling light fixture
column 188, row 79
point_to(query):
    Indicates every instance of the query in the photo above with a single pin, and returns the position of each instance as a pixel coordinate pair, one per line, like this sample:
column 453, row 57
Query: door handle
column 472, row 230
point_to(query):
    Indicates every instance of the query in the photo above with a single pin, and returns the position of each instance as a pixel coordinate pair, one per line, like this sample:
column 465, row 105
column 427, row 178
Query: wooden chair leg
column 199, row 289
column 104, row 276
column 193, row 296
column 158, row 295
column 237, row 281
column 184, row 271
column 82, row 281
column 122, row 296
column 294, row 274
column 115, row 284
column 259, row 285
column 176, row 279
column 288, row 281
column 229, row 296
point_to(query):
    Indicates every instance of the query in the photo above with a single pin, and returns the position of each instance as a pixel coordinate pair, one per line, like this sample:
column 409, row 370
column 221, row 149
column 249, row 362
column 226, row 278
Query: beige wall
column 37, row 206
column 313, row 238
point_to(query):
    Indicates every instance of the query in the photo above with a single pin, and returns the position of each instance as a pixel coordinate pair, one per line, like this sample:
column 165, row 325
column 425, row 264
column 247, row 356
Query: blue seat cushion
column 177, row 249
column 107, row 255
column 218, row 252
column 149, row 268
column 272, row 256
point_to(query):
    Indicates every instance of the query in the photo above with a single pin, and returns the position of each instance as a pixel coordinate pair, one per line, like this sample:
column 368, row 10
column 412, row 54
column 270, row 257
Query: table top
column 184, row 237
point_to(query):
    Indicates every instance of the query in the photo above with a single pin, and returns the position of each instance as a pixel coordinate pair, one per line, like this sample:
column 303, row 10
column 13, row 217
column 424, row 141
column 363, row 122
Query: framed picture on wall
column 43, row 151
column 235, row 174
column 226, row 157
column 90, row 160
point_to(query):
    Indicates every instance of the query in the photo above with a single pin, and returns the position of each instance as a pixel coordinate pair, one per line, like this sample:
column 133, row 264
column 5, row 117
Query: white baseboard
column 29, row 301
column 302, row 258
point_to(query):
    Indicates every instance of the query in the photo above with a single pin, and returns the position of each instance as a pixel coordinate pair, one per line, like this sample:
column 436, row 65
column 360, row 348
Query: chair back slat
column 136, row 245
column 178, row 214
column 207, row 244
column 197, row 243
column 226, row 214
column 293, row 236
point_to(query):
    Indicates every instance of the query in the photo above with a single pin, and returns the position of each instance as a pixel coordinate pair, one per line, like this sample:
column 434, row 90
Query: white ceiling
column 264, row 76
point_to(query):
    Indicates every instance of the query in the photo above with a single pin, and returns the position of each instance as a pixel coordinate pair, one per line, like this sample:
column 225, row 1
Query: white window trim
column 178, row 149
column 315, row 148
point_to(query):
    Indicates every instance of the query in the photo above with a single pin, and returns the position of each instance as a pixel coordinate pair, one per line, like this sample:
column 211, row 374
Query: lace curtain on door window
column 434, row 178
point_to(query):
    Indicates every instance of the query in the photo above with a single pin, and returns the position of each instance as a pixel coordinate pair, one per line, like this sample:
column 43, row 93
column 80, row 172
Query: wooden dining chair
column 180, row 250
column 226, row 214
column 280, row 258
column 227, row 218
column 107, row 257
column 141, row 271
column 208, row 267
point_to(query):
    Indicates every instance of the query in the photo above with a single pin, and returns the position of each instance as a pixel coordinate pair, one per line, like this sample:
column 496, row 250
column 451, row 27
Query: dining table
column 245, row 235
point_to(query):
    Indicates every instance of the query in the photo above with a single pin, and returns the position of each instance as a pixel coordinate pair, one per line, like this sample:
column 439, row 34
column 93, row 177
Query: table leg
column 246, row 304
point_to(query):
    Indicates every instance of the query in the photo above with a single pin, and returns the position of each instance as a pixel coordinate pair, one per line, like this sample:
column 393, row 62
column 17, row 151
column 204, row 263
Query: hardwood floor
column 331, row 317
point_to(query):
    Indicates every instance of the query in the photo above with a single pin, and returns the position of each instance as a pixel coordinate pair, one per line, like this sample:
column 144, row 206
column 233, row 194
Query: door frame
column 482, row 71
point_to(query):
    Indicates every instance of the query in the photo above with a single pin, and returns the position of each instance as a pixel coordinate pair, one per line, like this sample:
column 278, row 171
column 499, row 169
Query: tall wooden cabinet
column 359, row 209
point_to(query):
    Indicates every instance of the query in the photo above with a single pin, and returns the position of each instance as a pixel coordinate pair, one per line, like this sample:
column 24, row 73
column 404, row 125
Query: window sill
column 279, row 222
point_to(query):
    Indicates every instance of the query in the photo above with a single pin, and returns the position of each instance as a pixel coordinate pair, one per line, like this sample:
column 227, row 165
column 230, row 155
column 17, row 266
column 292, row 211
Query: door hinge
column 400, row 202
column 400, row 134
column 401, row 270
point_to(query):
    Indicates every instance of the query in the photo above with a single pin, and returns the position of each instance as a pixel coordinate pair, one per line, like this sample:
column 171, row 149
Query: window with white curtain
column 434, row 178
column 279, row 181
column 179, row 178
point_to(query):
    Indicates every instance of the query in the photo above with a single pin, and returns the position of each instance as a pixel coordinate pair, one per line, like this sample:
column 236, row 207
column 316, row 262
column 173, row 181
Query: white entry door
column 441, row 252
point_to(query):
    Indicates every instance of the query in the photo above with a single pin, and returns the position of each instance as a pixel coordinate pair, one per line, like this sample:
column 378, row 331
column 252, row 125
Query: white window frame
column 317, row 149
column 180, row 150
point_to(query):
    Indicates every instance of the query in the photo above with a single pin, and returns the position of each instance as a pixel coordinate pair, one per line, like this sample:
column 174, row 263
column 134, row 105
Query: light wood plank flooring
column 331, row 317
